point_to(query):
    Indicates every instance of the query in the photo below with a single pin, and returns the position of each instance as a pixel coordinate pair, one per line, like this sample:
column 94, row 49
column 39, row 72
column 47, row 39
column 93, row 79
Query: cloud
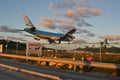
column 9, row 29
column 64, row 4
column 79, row 40
column 15, row 38
column 65, row 28
column 90, row 34
column 110, row 37
column 47, row 24
column 72, row 14
column 82, row 12
column 85, row 31
column 54, row 22
column 48, row 19
column 82, row 23
column 63, row 25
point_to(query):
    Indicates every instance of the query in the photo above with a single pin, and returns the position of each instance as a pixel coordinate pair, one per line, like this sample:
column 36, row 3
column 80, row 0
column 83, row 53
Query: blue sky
column 104, row 25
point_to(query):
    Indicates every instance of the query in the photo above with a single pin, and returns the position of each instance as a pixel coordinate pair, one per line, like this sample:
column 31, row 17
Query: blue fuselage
column 44, row 33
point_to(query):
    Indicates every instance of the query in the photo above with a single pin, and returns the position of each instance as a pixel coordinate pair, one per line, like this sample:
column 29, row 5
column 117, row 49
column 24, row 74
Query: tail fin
column 27, row 22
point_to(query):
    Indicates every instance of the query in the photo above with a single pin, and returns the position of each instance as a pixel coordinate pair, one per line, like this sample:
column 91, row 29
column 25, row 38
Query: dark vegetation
column 20, row 48
column 12, row 45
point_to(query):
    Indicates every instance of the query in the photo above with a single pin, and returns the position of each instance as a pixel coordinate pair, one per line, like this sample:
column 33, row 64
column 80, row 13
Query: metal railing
column 65, row 61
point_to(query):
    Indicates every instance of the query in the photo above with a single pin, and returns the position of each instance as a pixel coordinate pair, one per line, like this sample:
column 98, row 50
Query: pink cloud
column 111, row 37
column 79, row 40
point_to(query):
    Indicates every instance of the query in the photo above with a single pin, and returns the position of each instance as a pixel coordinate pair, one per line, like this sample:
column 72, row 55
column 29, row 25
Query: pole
column 100, row 53
column 26, row 51
column 16, row 47
column 6, row 48
column 101, row 45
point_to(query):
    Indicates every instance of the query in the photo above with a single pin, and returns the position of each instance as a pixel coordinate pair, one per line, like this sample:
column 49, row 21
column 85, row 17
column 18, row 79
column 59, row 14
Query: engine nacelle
column 36, row 38
column 68, row 39
column 71, row 36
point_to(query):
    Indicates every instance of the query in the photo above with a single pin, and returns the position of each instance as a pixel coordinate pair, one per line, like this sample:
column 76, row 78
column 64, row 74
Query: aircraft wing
column 71, row 31
column 68, row 36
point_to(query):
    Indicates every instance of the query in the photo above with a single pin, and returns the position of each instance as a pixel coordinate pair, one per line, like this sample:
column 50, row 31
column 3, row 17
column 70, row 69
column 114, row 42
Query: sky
column 95, row 20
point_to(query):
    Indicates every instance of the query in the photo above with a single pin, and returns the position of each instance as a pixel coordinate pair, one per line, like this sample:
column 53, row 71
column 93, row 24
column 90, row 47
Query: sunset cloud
column 79, row 40
column 48, row 19
column 82, row 12
column 47, row 24
column 72, row 14
column 55, row 22
column 111, row 37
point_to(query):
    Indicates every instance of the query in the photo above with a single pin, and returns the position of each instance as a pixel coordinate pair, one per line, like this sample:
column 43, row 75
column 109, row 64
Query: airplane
column 50, row 36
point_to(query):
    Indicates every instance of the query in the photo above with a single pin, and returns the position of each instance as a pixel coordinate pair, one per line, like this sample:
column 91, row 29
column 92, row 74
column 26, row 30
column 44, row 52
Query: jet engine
column 36, row 38
column 70, row 37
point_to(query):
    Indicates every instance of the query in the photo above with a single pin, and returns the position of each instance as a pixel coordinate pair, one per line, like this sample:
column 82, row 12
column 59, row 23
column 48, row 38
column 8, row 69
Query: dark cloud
column 63, row 5
column 90, row 34
column 82, row 23
column 85, row 31
column 82, row 31
column 66, row 28
column 9, row 29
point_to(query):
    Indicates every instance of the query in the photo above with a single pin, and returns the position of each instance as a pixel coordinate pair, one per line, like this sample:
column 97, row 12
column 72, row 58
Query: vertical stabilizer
column 27, row 22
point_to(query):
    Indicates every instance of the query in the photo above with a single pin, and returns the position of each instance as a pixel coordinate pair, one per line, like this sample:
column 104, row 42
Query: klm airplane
column 50, row 36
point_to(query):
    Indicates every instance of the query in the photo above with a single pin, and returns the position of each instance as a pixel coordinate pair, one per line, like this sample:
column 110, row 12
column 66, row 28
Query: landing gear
column 51, row 41
column 59, row 41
